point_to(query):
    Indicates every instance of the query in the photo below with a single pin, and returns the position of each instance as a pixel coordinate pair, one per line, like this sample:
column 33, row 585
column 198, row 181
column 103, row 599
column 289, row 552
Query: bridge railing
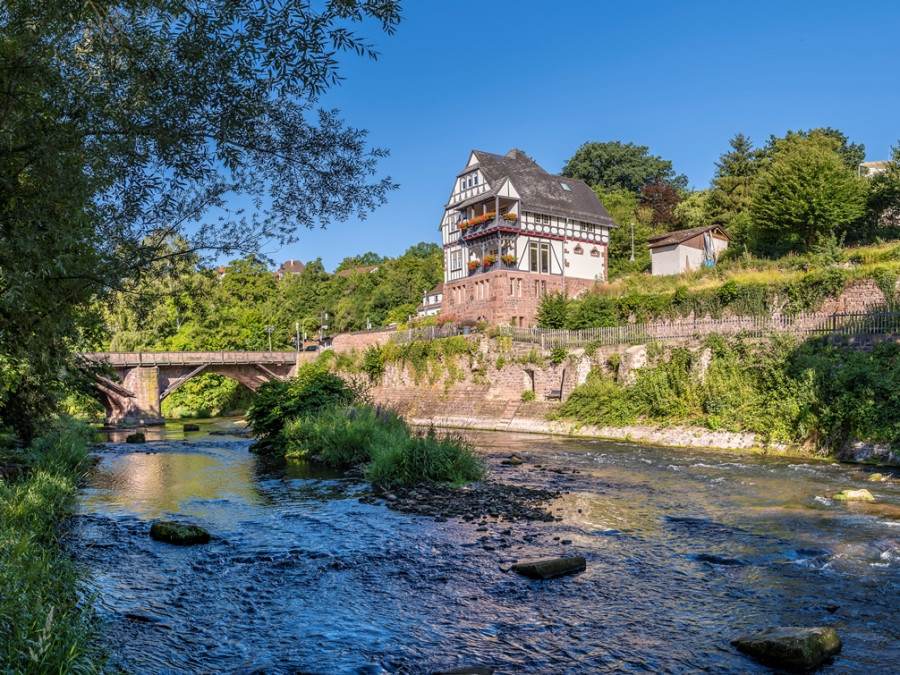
column 190, row 358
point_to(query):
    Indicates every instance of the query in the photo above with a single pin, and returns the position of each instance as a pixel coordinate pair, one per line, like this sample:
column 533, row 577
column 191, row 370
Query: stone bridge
column 144, row 379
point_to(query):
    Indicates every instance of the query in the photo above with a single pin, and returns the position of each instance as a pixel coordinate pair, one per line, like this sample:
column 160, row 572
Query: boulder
column 191, row 427
column 136, row 437
column 548, row 568
column 173, row 532
column 790, row 647
column 849, row 495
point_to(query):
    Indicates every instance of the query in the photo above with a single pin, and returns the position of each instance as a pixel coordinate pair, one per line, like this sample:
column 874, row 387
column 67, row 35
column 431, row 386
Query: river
column 685, row 549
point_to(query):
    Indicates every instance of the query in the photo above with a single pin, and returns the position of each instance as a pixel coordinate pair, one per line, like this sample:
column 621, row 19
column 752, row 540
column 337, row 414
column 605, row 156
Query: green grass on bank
column 814, row 393
column 45, row 623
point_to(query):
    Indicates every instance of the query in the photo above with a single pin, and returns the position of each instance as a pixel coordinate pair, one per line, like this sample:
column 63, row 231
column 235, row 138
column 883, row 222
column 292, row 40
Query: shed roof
column 681, row 236
column 540, row 191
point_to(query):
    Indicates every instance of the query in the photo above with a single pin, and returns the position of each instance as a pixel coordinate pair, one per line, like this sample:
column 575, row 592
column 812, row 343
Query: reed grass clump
column 379, row 440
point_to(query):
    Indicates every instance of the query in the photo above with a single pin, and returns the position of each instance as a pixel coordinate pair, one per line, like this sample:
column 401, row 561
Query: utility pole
column 297, row 328
column 270, row 330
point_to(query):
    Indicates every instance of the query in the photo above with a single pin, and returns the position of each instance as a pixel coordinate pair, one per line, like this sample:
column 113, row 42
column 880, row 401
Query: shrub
column 277, row 401
column 381, row 440
column 528, row 395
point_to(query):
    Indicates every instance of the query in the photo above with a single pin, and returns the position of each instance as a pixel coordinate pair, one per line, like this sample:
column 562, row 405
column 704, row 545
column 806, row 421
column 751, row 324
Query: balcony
column 474, row 231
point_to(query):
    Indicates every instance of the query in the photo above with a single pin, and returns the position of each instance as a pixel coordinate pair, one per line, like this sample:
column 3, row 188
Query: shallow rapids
column 685, row 549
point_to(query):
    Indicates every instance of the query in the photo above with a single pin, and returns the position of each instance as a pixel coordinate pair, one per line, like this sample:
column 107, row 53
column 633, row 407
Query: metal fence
column 808, row 324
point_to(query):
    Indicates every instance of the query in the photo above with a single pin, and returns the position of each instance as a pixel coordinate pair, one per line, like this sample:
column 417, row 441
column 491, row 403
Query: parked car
column 312, row 348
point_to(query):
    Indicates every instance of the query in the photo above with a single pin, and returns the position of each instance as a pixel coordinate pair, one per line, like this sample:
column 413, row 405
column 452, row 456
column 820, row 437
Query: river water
column 685, row 550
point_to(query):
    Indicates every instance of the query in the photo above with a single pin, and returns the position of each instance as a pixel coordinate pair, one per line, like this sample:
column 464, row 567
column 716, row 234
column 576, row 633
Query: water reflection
column 685, row 549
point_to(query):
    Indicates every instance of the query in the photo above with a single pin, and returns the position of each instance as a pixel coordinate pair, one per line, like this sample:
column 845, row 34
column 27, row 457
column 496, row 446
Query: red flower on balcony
column 474, row 265
column 489, row 260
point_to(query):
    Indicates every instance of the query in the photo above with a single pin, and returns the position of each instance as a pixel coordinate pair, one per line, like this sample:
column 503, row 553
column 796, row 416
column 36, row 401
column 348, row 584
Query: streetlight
column 632, row 241
column 323, row 327
column 270, row 330
column 114, row 329
column 297, row 328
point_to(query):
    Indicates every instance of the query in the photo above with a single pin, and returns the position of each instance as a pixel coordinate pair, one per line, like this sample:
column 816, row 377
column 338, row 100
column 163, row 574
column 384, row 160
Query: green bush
column 426, row 458
column 313, row 389
column 812, row 393
column 44, row 624
column 379, row 439
column 529, row 395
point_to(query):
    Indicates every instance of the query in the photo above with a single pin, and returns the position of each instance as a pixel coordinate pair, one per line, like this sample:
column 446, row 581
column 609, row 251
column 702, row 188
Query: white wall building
column 686, row 250
column 513, row 232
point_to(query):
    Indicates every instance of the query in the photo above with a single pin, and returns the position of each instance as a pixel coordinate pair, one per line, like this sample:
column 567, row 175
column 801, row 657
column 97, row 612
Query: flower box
column 474, row 265
column 489, row 260
column 508, row 259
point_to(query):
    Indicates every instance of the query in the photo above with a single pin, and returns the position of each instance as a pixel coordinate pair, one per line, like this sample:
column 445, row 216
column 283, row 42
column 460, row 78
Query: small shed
column 685, row 250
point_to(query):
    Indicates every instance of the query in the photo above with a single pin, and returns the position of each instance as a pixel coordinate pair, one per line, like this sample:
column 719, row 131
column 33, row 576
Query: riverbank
column 46, row 624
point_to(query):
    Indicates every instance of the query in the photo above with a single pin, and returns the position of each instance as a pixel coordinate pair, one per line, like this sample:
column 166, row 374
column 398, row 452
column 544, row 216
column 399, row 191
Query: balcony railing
column 501, row 224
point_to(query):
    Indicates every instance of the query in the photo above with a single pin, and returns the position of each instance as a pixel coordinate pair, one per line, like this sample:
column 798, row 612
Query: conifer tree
column 732, row 186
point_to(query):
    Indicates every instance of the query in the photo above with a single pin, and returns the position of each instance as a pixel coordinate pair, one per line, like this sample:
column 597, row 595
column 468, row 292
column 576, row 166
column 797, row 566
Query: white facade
column 686, row 251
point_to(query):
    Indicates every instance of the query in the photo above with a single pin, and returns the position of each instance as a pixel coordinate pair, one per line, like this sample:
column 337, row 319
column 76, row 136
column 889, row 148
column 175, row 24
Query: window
column 595, row 253
column 455, row 260
column 540, row 289
column 519, row 287
column 539, row 257
column 541, row 218
column 512, row 286
column 578, row 249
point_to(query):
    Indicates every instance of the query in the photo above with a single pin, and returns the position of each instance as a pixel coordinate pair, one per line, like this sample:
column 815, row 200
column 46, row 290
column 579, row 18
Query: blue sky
column 679, row 77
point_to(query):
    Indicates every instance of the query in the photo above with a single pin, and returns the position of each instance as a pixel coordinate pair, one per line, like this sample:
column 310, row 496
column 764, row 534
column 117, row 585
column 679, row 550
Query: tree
column 123, row 126
column 613, row 165
column 732, row 185
column 693, row 211
column 623, row 206
column 883, row 203
column 553, row 310
column 807, row 192
column 851, row 153
column 368, row 259
column 662, row 199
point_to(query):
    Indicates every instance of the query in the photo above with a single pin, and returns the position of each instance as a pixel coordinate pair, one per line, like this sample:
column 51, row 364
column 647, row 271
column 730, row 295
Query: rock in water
column 790, row 647
column 174, row 532
column 855, row 495
column 548, row 568
column 137, row 437
column 191, row 427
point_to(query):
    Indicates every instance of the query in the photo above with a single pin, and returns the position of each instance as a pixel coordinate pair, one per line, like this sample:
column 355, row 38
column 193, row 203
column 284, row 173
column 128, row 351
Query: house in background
column 869, row 169
column 512, row 233
column 289, row 267
column 431, row 301
column 686, row 250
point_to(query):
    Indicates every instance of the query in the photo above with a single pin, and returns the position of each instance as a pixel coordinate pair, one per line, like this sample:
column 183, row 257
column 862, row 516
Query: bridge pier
column 146, row 405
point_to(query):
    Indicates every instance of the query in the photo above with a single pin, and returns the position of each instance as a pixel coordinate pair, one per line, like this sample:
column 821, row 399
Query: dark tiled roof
column 680, row 236
column 437, row 289
column 540, row 191
column 291, row 267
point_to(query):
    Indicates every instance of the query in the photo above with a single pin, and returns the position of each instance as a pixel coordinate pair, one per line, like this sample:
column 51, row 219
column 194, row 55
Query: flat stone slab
column 548, row 568
column 790, row 647
column 173, row 532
